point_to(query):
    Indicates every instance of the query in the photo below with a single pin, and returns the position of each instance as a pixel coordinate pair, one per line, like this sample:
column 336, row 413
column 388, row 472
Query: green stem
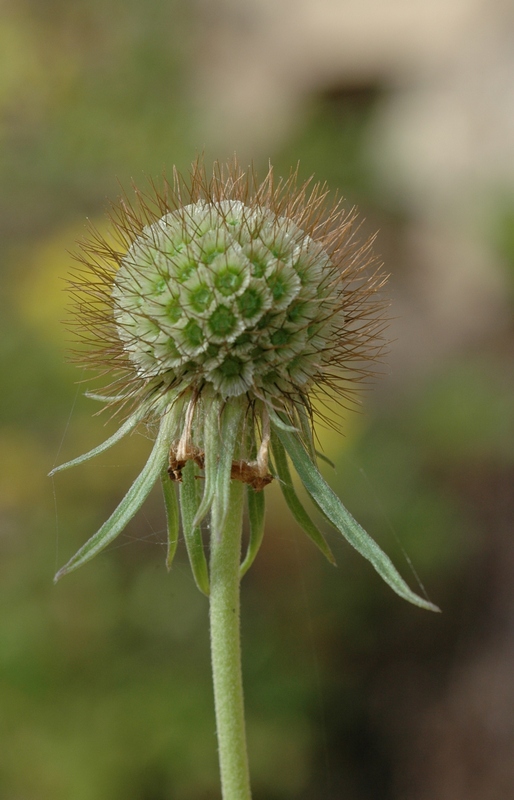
column 226, row 649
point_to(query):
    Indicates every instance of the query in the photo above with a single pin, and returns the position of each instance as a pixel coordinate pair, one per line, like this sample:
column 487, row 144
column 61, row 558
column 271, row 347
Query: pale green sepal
column 127, row 426
column 332, row 507
column 212, row 445
column 105, row 398
column 230, row 426
column 278, row 422
column 172, row 515
column 132, row 501
column 256, row 514
column 192, row 533
column 306, row 429
column 294, row 504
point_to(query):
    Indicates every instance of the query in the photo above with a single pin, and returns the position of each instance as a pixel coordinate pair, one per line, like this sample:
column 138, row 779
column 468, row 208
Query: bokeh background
column 407, row 108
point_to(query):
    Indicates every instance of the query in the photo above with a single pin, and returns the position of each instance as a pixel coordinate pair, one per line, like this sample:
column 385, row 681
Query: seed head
column 247, row 289
column 223, row 307
column 231, row 295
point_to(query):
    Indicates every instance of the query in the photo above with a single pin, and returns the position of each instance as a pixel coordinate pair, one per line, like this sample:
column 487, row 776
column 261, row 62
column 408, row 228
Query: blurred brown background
column 407, row 108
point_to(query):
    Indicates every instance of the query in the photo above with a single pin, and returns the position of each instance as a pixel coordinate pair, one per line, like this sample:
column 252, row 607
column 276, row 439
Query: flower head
column 254, row 290
column 223, row 308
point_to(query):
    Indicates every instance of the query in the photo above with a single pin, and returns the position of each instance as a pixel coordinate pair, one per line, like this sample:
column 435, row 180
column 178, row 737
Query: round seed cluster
column 228, row 294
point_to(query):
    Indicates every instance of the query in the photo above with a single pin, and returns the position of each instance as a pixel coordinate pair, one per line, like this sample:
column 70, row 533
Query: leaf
column 278, row 422
column 230, row 423
column 256, row 516
column 212, row 444
column 172, row 515
column 127, row 426
column 332, row 507
column 306, row 429
column 105, row 398
column 291, row 498
column 131, row 503
column 192, row 532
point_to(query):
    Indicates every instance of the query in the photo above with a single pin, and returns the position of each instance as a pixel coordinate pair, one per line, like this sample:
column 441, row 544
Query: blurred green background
column 351, row 694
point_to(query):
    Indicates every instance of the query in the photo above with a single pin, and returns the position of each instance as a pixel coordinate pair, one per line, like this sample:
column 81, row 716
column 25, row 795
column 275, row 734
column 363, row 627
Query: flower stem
column 226, row 649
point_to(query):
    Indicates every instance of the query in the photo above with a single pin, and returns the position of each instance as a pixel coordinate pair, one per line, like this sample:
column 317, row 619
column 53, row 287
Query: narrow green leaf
column 130, row 504
column 323, row 495
column 291, row 498
column 212, row 445
column 256, row 516
column 172, row 515
column 192, row 532
column 105, row 398
column 306, row 429
column 278, row 422
column 127, row 426
column 230, row 424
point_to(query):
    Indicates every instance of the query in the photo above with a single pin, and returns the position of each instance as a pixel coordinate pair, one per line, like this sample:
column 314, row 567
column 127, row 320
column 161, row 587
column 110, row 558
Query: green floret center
column 296, row 312
column 231, row 367
column 278, row 287
column 210, row 253
column 212, row 351
column 223, row 321
column 193, row 333
column 229, row 280
column 259, row 266
column 185, row 271
column 200, row 298
column 280, row 337
column 173, row 310
column 160, row 286
column 250, row 303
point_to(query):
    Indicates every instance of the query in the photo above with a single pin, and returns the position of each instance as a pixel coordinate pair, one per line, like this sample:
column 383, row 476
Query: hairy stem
column 226, row 649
